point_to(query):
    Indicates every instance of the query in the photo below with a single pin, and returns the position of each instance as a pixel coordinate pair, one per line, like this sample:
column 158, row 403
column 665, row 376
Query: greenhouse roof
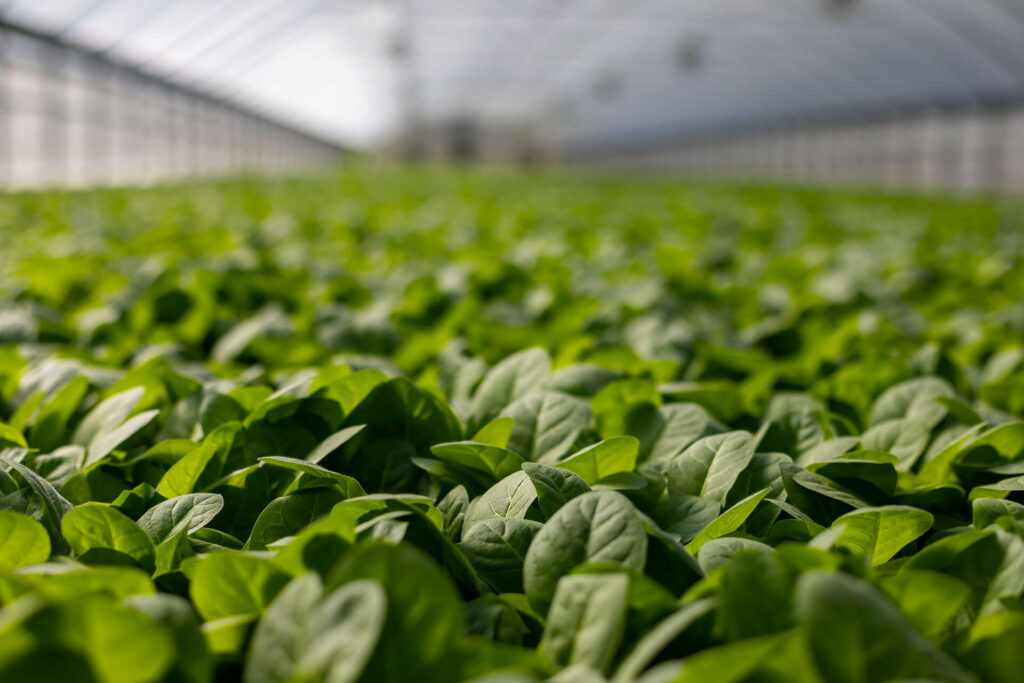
column 587, row 71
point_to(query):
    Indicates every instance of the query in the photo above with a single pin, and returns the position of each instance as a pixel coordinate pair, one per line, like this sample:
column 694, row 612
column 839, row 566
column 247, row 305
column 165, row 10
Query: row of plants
column 394, row 425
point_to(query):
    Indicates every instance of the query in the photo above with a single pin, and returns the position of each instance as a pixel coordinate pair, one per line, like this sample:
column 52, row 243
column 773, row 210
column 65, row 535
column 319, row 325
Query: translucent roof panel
column 586, row 72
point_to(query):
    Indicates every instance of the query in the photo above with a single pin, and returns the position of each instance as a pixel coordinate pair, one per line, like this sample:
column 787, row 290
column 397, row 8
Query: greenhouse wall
column 71, row 117
column 972, row 151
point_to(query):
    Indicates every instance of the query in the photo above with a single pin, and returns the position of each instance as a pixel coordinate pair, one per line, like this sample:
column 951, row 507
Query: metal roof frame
column 105, row 60
column 789, row 59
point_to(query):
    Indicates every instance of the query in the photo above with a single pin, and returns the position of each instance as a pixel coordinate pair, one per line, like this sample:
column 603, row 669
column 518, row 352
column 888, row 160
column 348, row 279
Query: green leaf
column 719, row 551
column 992, row 647
column 735, row 662
column 988, row 510
column 183, row 475
column 1007, row 580
column 710, row 466
column 868, row 473
column 600, row 526
column 54, row 504
column 350, row 390
column 510, row 497
column 586, row 621
column 23, row 541
column 938, row 469
column 857, row 635
column 399, row 410
column 583, row 379
column 90, row 639
column 493, row 461
column 998, row 489
column 729, row 521
column 188, row 512
column 307, row 635
column 105, row 441
column 720, row 399
column 905, row 438
column 929, row 600
column 915, row 399
column 48, row 430
column 63, row 582
column 661, row 636
column 961, row 410
column 881, row 532
column 232, row 584
column 424, row 617
column 333, row 443
column 604, row 459
column 319, row 545
column 9, row 436
column 512, row 378
column 497, row 432
column 346, row 485
column 685, row 516
column 107, row 415
column 270, row 321
column 627, row 406
column 497, row 549
column 682, row 424
column 192, row 662
column 554, row 486
column 546, row 425
column 668, row 560
column 453, row 507
column 97, row 526
column 287, row 515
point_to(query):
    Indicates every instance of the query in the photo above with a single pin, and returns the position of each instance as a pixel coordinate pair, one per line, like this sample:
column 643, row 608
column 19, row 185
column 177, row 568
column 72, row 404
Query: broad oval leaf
column 494, row 461
column 857, row 635
column 97, row 526
column 424, row 619
column 729, row 521
column 546, row 425
column 23, row 541
column 881, row 532
column 554, row 486
column 906, row 438
column 604, row 459
column 710, row 466
column 497, row 548
column 232, row 584
column 306, row 634
column 183, row 475
column 510, row 497
column 512, row 378
column 586, row 621
column 189, row 512
column 915, row 399
column 600, row 526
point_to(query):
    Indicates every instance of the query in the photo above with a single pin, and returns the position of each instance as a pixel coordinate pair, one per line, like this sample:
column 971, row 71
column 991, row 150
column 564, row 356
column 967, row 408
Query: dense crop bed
column 407, row 427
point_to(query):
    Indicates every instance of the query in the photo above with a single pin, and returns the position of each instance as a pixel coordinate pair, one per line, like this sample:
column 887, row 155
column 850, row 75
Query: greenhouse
column 492, row 342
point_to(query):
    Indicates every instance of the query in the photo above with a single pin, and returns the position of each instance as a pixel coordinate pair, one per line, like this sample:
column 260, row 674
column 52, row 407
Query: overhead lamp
column 690, row 53
column 839, row 6
column 607, row 87
column 399, row 49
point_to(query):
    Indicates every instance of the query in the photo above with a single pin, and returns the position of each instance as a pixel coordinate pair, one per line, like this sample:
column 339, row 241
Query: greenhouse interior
column 581, row 341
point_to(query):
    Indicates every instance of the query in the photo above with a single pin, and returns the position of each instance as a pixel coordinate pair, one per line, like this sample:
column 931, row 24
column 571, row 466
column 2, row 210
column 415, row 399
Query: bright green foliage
column 423, row 426
column 23, row 541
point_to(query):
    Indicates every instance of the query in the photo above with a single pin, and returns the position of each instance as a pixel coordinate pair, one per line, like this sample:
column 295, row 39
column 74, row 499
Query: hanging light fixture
column 607, row 87
column 839, row 6
column 690, row 53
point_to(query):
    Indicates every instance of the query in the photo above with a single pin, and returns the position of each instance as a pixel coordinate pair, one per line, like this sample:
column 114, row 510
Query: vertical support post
column 994, row 141
column 6, row 112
